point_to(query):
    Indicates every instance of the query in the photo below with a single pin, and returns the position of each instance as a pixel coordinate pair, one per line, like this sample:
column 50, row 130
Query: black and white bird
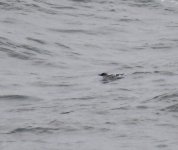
column 111, row 77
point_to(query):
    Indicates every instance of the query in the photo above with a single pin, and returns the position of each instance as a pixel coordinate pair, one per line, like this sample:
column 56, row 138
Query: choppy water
column 51, row 53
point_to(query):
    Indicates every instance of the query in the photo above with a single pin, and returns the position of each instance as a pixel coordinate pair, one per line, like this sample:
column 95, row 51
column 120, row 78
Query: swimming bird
column 111, row 77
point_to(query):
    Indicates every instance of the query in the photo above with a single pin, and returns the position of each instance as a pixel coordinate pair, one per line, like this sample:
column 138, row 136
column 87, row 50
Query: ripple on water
column 144, row 3
column 33, row 130
column 62, row 45
column 34, row 49
column 81, row 1
column 169, row 73
column 36, row 40
column 167, row 97
column 17, row 97
column 21, row 51
column 14, row 54
column 166, row 102
column 74, row 31
column 172, row 108
column 47, row 84
column 43, row 130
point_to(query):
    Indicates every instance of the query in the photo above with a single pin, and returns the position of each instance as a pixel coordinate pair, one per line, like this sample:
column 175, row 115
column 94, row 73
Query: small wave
column 36, row 40
column 5, row 42
column 12, row 5
column 155, row 72
column 161, row 47
column 23, row 51
column 35, row 49
column 142, row 107
column 14, row 54
column 141, row 72
column 22, row 110
column 10, row 20
column 85, row 1
column 165, row 73
column 17, row 97
column 128, row 20
column 64, row 7
column 29, row 7
column 172, row 108
column 170, row 1
column 2, row 4
column 144, row 3
column 66, row 112
column 62, row 45
column 170, row 5
column 121, row 108
column 5, row 5
column 166, row 97
column 36, row 130
column 46, row 84
column 81, row 98
column 33, row 130
column 73, row 31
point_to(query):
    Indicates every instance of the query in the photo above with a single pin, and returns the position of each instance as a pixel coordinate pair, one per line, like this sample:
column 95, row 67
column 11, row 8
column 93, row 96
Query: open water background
column 51, row 52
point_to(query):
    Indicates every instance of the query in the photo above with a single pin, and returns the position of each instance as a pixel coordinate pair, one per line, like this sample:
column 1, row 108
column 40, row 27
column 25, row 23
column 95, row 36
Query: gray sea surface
column 51, row 52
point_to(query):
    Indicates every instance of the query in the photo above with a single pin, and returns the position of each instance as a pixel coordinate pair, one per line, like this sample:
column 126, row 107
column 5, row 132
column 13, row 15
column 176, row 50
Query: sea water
column 51, row 52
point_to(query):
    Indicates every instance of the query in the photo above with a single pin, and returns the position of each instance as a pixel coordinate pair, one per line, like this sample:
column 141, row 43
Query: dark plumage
column 111, row 77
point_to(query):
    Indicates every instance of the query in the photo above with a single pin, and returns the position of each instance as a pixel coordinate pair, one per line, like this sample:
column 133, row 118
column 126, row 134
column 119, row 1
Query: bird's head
column 103, row 74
